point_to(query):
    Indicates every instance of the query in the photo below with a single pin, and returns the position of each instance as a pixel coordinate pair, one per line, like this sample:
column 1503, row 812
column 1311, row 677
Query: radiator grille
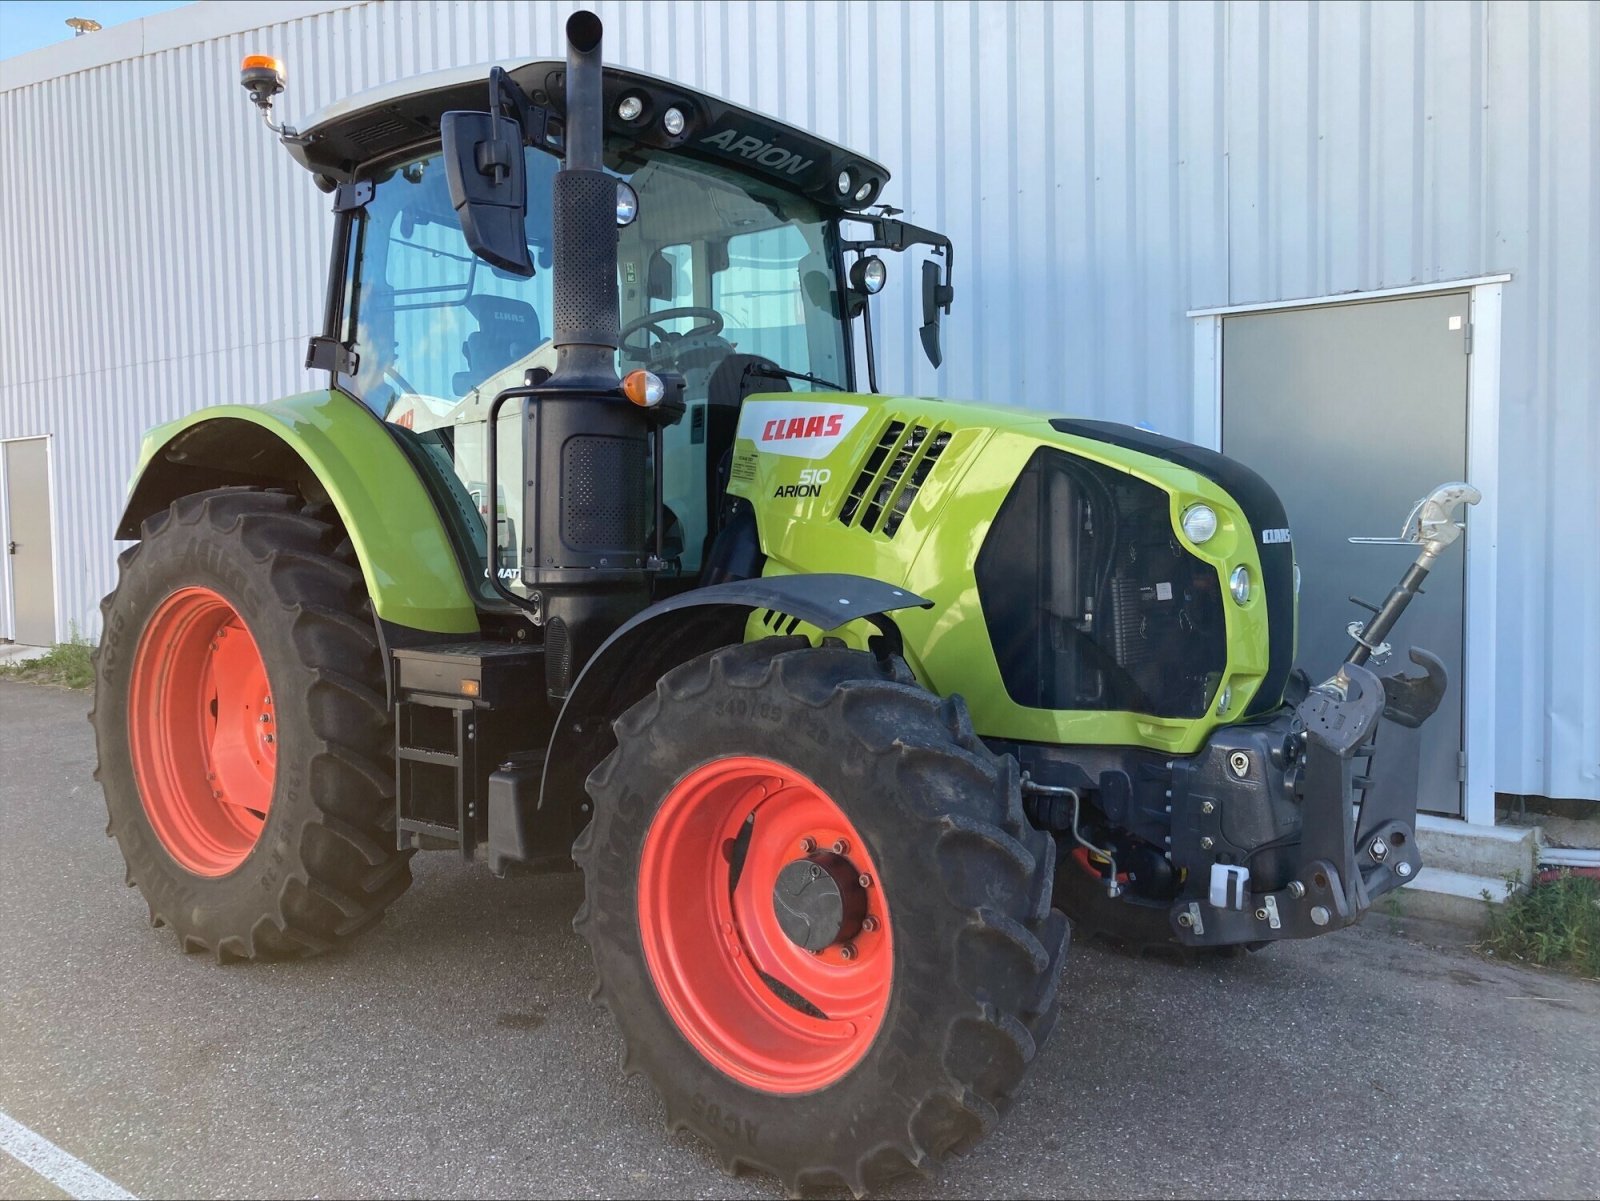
column 892, row 475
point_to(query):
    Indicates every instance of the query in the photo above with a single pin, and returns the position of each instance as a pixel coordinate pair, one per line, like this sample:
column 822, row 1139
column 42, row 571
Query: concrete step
column 1446, row 896
column 1451, row 845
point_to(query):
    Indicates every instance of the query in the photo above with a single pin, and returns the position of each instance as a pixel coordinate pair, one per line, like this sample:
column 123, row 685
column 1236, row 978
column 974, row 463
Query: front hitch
column 1302, row 816
column 1342, row 861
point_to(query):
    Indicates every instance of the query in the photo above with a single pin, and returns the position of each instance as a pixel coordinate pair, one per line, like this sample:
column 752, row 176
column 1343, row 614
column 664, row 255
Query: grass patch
column 66, row 664
column 1554, row 924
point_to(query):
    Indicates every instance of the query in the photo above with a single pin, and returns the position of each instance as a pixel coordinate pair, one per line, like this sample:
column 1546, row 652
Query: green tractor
column 594, row 551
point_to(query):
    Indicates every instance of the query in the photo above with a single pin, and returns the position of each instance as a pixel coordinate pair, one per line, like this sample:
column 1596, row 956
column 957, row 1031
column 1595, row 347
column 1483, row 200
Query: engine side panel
column 908, row 490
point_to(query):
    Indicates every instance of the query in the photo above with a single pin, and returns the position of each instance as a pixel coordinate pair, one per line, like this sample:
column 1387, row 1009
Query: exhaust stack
column 584, row 212
column 586, row 508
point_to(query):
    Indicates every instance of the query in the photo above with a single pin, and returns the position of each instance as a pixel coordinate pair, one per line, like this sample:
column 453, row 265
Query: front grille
column 1090, row 600
column 892, row 475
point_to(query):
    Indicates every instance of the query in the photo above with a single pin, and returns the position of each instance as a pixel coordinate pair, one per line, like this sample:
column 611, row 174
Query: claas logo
column 821, row 426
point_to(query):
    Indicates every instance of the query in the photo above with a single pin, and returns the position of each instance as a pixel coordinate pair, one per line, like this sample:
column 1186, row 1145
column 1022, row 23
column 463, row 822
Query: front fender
column 323, row 444
column 626, row 667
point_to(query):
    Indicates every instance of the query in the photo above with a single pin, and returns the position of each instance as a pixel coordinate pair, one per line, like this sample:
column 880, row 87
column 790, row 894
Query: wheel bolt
column 269, row 738
column 869, row 923
column 847, row 951
column 841, row 847
column 808, row 845
column 1206, row 844
column 264, row 717
column 864, row 880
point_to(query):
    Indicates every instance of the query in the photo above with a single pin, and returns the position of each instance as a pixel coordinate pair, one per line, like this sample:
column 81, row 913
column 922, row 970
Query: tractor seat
column 507, row 331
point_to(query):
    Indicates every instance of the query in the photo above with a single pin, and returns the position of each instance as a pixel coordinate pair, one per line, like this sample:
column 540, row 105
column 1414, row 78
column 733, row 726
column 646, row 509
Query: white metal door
column 29, row 554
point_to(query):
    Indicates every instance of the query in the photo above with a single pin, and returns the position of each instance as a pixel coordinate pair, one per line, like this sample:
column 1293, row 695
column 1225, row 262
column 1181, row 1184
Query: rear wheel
column 243, row 735
column 818, row 913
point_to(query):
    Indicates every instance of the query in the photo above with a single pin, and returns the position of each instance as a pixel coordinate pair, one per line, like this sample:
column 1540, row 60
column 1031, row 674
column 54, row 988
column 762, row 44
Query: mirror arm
column 892, row 234
column 938, row 295
column 506, row 98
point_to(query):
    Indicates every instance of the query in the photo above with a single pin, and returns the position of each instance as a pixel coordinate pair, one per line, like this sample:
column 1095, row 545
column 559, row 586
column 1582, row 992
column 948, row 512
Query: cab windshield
column 717, row 266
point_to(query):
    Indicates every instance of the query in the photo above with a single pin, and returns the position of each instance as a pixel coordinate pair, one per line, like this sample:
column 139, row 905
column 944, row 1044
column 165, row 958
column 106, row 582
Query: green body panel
column 411, row 569
column 936, row 546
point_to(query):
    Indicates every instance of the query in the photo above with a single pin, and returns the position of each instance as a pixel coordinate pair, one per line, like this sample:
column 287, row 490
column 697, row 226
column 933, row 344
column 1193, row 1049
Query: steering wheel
column 391, row 372
column 709, row 327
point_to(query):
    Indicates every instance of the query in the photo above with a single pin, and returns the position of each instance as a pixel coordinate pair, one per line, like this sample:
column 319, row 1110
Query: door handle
column 11, row 547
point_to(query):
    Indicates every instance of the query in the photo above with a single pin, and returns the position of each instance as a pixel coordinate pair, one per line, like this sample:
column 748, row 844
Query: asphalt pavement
column 453, row 1052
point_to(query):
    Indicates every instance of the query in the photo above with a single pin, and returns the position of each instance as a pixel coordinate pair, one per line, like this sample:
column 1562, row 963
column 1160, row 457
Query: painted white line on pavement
column 69, row 1174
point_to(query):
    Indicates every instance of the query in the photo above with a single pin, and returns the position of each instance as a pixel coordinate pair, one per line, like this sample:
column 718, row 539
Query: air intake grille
column 378, row 132
column 603, row 488
column 892, row 475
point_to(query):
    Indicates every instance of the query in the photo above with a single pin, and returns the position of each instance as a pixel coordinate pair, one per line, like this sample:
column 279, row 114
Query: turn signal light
column 644, row 388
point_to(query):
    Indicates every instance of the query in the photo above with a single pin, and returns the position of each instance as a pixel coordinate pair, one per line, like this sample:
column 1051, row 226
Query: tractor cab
column 733, row 236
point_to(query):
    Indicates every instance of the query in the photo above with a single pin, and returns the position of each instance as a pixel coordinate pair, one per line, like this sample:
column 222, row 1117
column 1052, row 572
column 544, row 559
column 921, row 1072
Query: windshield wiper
column 773, row 371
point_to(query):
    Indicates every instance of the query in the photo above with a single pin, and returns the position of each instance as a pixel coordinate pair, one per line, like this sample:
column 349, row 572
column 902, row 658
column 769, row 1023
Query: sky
column 29, row 24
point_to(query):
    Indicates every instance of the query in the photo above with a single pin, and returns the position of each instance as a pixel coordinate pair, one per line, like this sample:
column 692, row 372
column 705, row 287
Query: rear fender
column 326, row 447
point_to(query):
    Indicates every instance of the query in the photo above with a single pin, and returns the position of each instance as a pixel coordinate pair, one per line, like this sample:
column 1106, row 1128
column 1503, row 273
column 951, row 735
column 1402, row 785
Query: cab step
column 462, row 710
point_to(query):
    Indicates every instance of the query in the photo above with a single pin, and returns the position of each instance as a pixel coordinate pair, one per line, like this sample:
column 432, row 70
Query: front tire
column 844, row 1040
column 244, row 740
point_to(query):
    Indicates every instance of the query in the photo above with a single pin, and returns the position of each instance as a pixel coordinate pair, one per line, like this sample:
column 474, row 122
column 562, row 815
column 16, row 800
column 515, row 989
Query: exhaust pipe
column 584, row 213
column 584, row 559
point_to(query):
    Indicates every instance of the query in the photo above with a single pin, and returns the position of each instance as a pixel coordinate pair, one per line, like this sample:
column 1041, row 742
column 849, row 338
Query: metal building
column 1356, row 244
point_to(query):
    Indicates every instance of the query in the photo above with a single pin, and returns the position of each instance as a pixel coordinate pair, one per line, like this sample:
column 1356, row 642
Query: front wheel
column 818, row 913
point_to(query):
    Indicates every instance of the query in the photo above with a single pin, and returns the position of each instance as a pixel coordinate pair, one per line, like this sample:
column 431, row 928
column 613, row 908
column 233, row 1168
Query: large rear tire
column 847, row 1041
column 244, row 740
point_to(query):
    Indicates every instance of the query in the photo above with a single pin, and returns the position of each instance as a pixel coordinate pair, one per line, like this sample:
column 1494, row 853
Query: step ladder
column 447, row 743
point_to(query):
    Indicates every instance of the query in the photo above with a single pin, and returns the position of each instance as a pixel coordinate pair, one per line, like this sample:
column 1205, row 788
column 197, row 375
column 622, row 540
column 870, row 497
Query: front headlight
column 1199, row 523
column 1239, row 584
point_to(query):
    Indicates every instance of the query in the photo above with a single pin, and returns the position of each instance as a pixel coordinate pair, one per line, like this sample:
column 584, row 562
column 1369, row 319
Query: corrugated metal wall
column 1102, row 168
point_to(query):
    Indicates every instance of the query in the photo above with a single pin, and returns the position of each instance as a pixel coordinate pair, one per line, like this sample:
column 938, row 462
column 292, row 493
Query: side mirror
column 488, row 181
column 936, row 297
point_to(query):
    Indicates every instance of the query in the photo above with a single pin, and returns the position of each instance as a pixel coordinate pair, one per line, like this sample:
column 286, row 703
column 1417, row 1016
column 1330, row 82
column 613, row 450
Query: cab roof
column 402, row 118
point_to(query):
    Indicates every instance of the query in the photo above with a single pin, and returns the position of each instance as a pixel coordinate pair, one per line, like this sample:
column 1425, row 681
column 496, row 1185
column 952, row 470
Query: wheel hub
column 777, row 969
column 202, row 731
column 819, row 901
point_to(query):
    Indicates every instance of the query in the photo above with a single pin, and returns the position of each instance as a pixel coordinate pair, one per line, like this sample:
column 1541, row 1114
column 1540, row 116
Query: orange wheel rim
column 202, row 732
column 737, row 851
